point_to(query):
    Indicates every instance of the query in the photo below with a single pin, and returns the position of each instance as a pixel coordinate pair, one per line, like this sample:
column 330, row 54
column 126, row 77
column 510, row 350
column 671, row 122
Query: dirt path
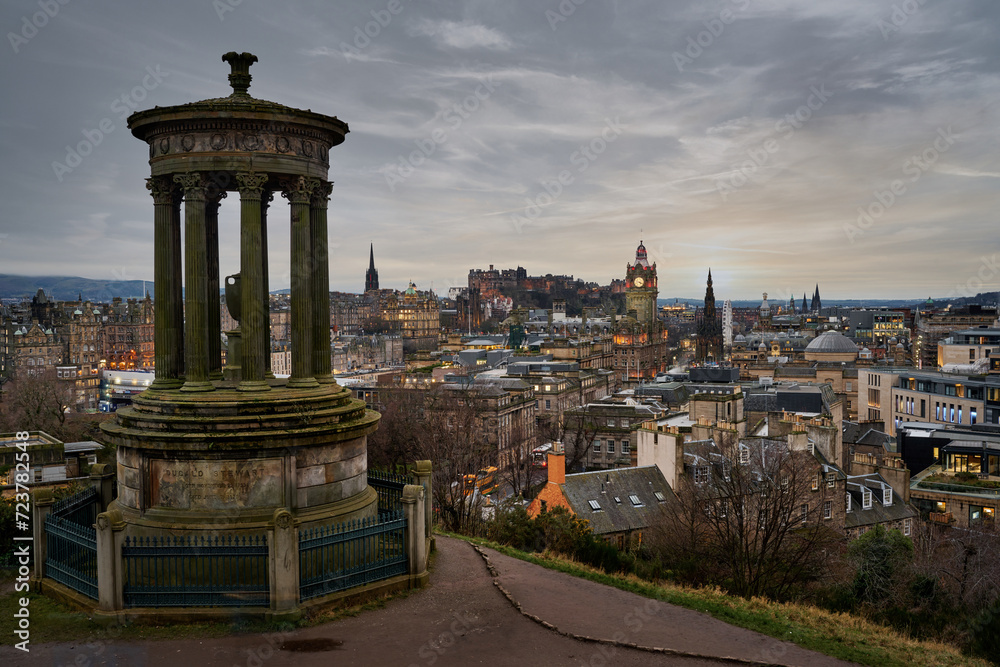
column 464, row 619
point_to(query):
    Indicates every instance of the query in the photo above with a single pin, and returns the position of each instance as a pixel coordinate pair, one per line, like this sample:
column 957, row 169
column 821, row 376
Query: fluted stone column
column 195, row 283
column 167, row 335
column 299, row 191
column 320, row 283
column 212, row 205
column 253, row 297
column 265, row 203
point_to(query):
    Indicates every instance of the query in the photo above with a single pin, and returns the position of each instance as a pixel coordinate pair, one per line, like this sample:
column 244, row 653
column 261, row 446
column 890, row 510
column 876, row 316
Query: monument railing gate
column 219, row 571
column 335, row 558
column 389, row 487
column 71, row 542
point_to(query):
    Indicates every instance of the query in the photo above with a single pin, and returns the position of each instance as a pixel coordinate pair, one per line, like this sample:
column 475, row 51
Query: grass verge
column 841, row 636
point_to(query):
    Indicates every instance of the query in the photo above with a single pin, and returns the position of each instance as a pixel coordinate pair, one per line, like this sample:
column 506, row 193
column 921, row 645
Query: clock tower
column 641, row 288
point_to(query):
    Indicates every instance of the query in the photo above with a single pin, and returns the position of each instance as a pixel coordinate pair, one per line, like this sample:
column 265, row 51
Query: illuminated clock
column 639, row 282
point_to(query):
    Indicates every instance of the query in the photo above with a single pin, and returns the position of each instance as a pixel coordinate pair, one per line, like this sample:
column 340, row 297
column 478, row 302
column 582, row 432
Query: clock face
column 639, row 282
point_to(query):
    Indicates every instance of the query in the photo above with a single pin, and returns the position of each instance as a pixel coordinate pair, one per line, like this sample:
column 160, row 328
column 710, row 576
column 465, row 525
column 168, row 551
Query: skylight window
column 635, row 501
column 594, row 505
column 659, row 496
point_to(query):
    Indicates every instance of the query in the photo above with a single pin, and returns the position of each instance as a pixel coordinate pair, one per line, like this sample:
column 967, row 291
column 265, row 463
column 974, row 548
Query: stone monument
column 207, row 448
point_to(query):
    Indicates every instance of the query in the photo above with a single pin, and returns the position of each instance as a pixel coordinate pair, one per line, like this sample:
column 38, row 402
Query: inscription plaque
column 216, row 485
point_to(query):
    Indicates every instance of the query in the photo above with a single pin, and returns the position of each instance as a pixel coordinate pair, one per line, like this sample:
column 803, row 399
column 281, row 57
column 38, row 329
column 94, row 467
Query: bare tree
column 739, row 511
column 37, row 401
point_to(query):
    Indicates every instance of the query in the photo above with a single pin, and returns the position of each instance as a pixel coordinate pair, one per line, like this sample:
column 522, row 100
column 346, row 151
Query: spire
column 371, row 275
column 709, row 276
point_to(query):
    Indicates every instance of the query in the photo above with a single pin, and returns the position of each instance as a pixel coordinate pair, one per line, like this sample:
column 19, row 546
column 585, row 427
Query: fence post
column 423, row 472
column 102, row 477
column 110, row 587
column 416, row 545
column 283, row 563
column 40, row 509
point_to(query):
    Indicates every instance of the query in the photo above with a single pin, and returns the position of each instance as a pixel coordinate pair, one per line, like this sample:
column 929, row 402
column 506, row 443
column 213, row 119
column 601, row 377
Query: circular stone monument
column 208, row 448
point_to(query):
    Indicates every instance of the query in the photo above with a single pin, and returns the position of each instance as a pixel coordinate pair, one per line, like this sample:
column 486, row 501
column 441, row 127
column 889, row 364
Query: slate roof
column 611, row 490
column 879, row 513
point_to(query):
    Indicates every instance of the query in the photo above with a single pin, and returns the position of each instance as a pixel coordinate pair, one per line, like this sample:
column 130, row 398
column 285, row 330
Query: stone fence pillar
column 423, row 472
column 416, row 545
column 110, row 581
column 102, row 478
column 41, row 506
column 283, row 562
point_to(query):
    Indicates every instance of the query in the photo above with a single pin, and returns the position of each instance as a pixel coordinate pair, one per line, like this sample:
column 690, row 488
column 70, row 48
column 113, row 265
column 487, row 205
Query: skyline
column 553, row 137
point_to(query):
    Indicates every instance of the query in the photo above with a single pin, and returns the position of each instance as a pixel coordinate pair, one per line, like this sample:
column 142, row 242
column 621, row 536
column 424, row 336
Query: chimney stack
column 557, row 464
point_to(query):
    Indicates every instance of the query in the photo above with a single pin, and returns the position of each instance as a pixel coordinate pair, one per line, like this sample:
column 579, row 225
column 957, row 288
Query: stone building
column 36, row 349
column 640, row 339
column 709, row 346
column 128, row 334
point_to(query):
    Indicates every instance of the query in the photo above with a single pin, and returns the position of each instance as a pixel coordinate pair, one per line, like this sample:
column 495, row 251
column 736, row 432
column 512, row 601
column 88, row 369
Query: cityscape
column 579, row 333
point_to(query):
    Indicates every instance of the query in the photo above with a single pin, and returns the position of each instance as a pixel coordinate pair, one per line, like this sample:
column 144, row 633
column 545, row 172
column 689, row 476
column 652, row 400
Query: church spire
column 371, row 276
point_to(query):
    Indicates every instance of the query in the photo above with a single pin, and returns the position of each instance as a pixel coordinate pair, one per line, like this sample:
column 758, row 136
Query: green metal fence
column 335, row 558
column 224, row 571
column 71, row 554
column 389, row 487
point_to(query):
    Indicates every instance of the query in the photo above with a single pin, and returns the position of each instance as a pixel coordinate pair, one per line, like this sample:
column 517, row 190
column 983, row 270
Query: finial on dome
column 239, row 75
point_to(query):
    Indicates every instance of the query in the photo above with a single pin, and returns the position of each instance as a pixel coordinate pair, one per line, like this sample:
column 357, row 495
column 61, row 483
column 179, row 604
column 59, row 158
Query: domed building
column 831, row 346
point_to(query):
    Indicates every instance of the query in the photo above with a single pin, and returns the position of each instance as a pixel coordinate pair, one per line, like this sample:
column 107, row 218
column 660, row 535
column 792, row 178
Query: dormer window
column 866, row 499
column 744, row 455
column 887, row 496
column 848, row 502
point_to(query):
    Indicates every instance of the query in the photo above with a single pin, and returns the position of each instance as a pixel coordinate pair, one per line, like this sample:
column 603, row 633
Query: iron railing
column 80, row 508
column 71, row 554
column 335, row 558
column 225, row 571
column 389, row 487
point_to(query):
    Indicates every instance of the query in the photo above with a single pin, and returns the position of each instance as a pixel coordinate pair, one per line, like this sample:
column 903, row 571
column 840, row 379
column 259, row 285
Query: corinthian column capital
column 321, row 193
column 251, row 183
column 162, row 190
column 298, row 190
column 193, row 184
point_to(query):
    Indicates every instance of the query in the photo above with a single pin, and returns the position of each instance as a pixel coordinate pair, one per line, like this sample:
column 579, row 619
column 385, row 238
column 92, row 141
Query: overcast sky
column 741, row 135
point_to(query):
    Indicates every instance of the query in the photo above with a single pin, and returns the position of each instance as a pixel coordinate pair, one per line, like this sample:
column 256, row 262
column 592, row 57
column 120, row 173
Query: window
column 831, row 480
column 660, row 497
column 848, row 388
column 611, row 446
column 597, row 446
column 887, row 496
column 866, row 499
column 700, row 474
column 907, row 527
column 804, row 511
column 626, row 447
column 744, row 455
column 828, row 509
column 618, row 501
column 548, row 404
column 594, row 505
column 635, row 500
column 815, row 483
column 848, row 502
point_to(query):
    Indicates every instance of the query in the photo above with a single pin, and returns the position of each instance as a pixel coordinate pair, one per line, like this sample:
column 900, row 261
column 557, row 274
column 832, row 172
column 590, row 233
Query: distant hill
column 69, row 288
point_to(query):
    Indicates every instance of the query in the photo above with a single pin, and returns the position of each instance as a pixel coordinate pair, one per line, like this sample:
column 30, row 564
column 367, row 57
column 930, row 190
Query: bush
column 984, row 633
